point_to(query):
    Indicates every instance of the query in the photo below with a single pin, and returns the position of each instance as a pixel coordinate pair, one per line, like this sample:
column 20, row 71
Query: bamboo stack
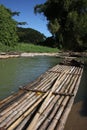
column 43, row 104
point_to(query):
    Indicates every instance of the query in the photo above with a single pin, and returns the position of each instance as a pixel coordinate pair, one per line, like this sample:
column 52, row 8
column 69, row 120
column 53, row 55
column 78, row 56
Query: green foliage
column 67, row 21
column 49, row 42
column 30, row 35
column 25, row 47
column 53, row 26
column 8, row 34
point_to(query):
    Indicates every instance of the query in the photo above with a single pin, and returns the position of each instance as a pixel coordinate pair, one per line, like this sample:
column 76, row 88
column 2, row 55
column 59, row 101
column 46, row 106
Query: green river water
column 15, row 72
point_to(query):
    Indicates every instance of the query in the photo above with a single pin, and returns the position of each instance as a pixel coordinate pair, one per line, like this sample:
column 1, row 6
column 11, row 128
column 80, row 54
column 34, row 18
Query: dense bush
column 8, row 27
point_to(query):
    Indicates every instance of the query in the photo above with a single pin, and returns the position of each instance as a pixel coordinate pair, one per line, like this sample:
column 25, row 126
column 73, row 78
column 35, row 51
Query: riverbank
column 11, row 55
column 30, row 50
column 5, row 55
column 38, row 54
column 27, row 47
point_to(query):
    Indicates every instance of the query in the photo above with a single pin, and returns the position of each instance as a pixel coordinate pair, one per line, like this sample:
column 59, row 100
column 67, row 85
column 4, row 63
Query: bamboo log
column 11, row 107
column 55, row 71
column 24, row 115
column 14, row 108
column 44, row 105
column 55, row 93
column 63, row 81
column 55, row 121
column 48, row 76
column 17, row 113
column 9, row 99
column 36, row 90
column 48, row 120
column 48, row 82
column 23, row 123
column 51, row 115
column 42, row 118
column 58, row 114
column 63, row 119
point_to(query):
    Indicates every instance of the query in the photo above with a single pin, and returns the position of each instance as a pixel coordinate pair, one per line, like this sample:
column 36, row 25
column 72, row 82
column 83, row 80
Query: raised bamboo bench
column 43, row 104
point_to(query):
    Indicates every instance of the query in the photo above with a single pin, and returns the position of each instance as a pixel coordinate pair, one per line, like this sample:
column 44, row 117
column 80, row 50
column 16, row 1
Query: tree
column 8, row 27
column 30, row 35
column 67, row 21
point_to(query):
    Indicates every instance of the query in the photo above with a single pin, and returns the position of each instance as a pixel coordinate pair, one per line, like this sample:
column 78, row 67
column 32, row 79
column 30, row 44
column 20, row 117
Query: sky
column 26, row 9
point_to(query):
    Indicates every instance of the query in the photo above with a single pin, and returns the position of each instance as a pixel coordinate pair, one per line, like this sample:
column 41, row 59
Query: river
column 15, row 72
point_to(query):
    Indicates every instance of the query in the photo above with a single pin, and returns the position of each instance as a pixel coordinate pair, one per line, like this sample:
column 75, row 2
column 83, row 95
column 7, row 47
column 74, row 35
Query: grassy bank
column 24, row 47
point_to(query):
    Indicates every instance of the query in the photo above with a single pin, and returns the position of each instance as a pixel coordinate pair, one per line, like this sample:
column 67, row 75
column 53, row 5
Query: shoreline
column 4, row 55
column 25, row 54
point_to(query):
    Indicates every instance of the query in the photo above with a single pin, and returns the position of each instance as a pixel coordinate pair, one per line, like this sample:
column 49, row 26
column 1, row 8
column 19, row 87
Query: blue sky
column 26, row 9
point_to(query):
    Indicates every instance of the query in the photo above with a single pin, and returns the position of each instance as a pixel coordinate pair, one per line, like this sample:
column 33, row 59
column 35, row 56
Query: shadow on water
column 82, row 93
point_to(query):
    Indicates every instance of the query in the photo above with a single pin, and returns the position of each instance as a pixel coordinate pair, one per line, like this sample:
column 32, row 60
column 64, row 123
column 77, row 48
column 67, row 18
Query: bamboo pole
column 44, row 105
column 24, row 115
column 44, row 117
column 51, row 116
column 61, row 110
column 15, row 107
column 48, row 109
column 48, row 120
column 17, row 113
column 55, row 93
column 11, row 107
column 23, row 123
column 63, row 119
column 9, row 99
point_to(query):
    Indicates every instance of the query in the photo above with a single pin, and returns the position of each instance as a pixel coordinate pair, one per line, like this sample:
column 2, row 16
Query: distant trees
column 67, row 21
column 30, row 35
column 49, row 42
column 8, row 27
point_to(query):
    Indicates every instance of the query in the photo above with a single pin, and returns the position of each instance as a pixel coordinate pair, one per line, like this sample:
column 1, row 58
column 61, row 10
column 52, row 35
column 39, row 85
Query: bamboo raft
column 43, row 104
